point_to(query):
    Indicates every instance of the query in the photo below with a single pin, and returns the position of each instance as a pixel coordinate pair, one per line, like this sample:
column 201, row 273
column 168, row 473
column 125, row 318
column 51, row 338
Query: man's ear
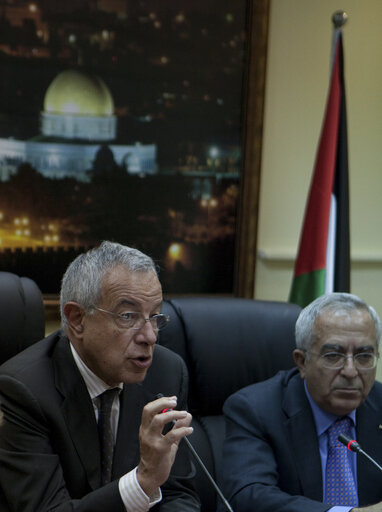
column 299, row 357
column 74, row 315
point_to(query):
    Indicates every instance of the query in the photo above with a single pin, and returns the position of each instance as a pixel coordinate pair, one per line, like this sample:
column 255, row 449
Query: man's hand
column 157, row 450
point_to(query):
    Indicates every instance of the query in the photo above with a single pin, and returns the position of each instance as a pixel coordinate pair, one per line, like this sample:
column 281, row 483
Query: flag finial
column 339, row 19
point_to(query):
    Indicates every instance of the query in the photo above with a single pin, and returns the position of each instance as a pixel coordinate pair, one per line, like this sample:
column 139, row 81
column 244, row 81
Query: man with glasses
column 282, row 451
column 88, row 410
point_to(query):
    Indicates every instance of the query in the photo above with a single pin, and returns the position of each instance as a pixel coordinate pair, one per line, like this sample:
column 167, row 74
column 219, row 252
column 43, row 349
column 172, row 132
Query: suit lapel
column 369, row 434
column 78, row 411
column 302, row 434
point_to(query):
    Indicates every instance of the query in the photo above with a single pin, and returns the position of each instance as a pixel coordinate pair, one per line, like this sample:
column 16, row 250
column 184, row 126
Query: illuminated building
column 77, row 122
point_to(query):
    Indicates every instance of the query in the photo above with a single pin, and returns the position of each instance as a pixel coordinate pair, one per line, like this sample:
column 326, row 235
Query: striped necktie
column 105, row 432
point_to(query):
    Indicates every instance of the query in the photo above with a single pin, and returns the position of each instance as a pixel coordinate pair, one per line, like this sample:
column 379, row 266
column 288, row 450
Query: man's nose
column 349, row 368
column 147, row 333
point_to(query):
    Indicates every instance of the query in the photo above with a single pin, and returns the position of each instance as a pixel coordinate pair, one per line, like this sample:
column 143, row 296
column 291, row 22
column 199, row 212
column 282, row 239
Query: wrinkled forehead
column 345, row 323
column 121, row 281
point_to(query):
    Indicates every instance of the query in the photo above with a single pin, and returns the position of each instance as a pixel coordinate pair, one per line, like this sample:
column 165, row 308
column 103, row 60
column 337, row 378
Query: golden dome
column 75, row 92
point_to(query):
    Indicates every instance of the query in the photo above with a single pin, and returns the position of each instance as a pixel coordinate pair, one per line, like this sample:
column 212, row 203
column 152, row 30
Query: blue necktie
column 340, row 485
column 105, row 432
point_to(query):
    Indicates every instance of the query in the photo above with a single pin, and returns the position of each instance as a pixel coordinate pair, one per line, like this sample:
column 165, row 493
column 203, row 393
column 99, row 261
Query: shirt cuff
column 340, row 508
column 132, row 495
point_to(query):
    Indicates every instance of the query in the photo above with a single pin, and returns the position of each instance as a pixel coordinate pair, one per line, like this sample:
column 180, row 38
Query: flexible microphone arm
column 353, row 446
column 208, row 475
column 202, row 466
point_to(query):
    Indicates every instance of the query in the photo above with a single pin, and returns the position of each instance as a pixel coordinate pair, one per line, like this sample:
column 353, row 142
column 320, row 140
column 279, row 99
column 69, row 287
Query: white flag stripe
column 331, row 246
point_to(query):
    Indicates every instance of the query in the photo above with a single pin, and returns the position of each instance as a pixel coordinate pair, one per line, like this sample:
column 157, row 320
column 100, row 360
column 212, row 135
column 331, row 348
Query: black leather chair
column 227, row 343
column 22, row 315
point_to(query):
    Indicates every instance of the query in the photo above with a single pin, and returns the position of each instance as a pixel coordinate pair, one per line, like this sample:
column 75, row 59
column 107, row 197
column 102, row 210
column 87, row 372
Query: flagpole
column 339, row 18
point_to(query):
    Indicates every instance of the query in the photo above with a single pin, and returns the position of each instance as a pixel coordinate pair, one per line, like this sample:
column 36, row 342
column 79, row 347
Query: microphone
column 353, row 446
column 202, row 466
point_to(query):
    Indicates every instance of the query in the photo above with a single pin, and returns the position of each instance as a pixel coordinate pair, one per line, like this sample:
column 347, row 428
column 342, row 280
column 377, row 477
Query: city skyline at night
column 174, row 71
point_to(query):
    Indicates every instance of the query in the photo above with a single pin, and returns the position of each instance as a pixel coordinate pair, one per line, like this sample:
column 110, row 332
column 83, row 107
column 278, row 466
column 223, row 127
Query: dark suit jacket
column 271, row 455
column 49, row 448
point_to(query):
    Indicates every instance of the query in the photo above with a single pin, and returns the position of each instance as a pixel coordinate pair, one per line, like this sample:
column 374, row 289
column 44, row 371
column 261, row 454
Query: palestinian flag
column 323, row 259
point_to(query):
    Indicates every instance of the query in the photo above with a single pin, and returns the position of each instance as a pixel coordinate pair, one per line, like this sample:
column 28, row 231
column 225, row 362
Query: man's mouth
column 142, row 361
column 348, row 390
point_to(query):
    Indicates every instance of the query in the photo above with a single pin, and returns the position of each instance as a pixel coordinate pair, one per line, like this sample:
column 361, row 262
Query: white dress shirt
column 133, row 497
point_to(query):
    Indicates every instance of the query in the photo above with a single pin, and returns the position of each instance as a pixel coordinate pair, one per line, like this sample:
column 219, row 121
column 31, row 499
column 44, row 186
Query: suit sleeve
column 252, row 461
column 30, row 472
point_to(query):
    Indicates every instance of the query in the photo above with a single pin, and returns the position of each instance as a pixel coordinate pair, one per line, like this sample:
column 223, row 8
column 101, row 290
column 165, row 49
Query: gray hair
column 82, row 280
column 332, row 302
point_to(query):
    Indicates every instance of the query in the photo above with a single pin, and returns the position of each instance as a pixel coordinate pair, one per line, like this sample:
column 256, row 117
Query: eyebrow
column 132, row 303
column 339, row 348
column 127, row 302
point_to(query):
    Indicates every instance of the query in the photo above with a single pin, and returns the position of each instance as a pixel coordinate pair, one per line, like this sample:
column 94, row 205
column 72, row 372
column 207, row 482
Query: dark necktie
column 340, row 485
column 105, row 432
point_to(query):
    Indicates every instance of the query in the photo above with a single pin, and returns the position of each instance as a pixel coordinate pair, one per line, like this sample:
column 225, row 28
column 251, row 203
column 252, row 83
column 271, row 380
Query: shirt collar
column 324, row 419
column 94, row 384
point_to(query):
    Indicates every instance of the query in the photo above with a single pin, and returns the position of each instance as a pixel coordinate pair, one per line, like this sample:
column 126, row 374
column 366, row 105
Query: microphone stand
column 206, row 472
column 202, row 466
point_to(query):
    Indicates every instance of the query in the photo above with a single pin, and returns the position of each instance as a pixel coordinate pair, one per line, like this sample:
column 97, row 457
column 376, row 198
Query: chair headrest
column 22, row 317
column 228, row 343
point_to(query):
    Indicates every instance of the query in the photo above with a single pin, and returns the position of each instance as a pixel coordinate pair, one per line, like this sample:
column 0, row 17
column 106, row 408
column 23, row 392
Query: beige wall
column 297, row 82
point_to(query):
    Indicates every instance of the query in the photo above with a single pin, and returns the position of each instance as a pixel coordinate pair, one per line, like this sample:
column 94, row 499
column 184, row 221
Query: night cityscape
column 121, row 120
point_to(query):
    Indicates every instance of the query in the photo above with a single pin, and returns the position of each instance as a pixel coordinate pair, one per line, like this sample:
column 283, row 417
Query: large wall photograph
column 122, row 120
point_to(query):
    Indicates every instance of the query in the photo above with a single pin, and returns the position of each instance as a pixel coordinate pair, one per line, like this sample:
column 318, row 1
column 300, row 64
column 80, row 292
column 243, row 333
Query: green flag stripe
column 307, row 287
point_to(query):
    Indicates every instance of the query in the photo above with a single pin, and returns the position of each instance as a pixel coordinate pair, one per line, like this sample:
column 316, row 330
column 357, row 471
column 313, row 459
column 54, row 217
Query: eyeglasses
column 134, row 320
column 336, row 360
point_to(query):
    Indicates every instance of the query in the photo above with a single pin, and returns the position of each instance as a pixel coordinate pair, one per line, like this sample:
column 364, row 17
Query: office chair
column 227, row 343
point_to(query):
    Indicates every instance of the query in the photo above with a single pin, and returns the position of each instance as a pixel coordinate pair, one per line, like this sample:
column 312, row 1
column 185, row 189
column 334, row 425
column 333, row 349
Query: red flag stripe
column 313, row 243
